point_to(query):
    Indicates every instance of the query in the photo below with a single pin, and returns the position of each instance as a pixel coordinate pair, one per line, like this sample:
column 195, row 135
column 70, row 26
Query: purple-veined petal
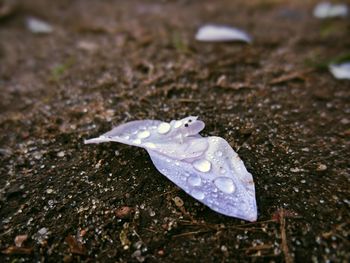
column 207, row 168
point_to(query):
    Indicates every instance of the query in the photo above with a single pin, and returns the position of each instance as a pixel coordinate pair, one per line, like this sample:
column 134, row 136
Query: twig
column 190, row 233
column 290, row 76
column 150, row 230
column 168, row 192
column 258, row 248
column 217, row 226
column 287, row 256
column 188, row 100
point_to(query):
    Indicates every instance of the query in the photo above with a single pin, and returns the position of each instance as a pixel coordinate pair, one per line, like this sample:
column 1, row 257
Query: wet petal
column 329, row 10
column 340, row 71
column 38, row 26
column 207, row 168
column 216, row 33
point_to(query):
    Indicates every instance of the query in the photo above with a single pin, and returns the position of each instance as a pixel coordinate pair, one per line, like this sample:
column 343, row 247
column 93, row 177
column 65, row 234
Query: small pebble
column 124, row 212
column 321, row 167
column 87, row 46
column 178, row 201
column 42, row 231
column 60, row 154
column 295, row 170
column 223, row 248
column 20, row 239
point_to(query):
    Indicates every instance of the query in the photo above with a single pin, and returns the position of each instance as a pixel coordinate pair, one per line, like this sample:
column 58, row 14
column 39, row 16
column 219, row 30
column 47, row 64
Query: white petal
column 329, row 10
column 340, row 71
column 232, row 194
column 37, row 26
column 207, row 168
column 216, row 33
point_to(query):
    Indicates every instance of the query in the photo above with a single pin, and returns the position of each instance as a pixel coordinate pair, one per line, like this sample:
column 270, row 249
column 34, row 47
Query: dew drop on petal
column 197, row 194
column 225, row 185
column 222, row 170
column 143, row 134
column 150, row 145
column 177, row 124
column 218, row 153
column 194, row 180
column 202, row 165
column 137, row 141
column 163, row 128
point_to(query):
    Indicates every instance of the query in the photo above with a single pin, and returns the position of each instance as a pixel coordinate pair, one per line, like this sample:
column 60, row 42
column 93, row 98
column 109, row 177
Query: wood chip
column 75, row 246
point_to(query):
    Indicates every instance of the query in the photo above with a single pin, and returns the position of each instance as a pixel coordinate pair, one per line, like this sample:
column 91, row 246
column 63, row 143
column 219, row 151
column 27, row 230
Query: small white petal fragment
column 202, row 165
column 38, row 26
column 163, row 128
column 143, row 134
column 340, row 71
column 328, row 10
column 216, row 33
column 225, row 184
column 87, row 46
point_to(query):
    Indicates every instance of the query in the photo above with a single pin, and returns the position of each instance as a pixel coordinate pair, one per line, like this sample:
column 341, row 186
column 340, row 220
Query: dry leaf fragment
column 75, row 246
column 20, row 239
column 17, row 250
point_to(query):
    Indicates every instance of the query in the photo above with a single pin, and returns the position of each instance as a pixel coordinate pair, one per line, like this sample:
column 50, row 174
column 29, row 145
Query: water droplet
column 194, row 180
column 197, row 194
column 137, row 141
column 150, row 145
column 222, row 170
column 163, row 128
column 225, row 185
column 177, row 124
column 143, row 134
column 202, row 165
column 218, row 153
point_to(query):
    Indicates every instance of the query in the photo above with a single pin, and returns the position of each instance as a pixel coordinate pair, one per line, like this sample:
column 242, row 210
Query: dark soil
column 109, row 62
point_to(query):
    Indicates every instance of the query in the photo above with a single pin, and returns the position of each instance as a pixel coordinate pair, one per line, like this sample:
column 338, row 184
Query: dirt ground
column 109, row 62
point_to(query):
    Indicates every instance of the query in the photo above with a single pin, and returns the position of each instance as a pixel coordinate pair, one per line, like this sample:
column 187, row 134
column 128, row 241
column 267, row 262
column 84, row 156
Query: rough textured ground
column 109, row 62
